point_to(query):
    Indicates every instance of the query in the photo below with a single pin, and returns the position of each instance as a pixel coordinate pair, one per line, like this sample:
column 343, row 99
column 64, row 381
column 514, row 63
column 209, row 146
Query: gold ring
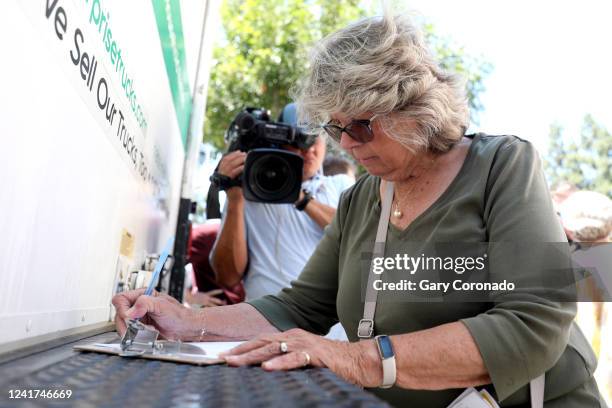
column 283, row 347
column 307, row 361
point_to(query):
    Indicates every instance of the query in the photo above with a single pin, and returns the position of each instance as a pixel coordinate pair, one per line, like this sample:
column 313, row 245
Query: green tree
column 264, row 48
column 456, row 59
column 585, row 162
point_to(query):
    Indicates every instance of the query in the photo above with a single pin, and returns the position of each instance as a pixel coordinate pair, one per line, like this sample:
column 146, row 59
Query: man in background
column 267, row 245
column 333, row 165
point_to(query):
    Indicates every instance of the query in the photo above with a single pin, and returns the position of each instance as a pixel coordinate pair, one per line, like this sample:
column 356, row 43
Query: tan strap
column 366, row 324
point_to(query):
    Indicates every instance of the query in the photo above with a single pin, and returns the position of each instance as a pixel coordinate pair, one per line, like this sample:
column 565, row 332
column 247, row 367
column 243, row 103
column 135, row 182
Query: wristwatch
column 223, row 182
column 301, row 204
column 387, row 356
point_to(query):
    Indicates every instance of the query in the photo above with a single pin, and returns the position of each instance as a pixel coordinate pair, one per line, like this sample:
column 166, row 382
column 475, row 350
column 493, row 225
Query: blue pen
column 160, row 265
column 134, row 325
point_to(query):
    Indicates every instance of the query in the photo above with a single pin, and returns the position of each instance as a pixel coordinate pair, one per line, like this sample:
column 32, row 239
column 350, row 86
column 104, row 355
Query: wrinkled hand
column 345, row 359
column 266, row 350
column 166, row 314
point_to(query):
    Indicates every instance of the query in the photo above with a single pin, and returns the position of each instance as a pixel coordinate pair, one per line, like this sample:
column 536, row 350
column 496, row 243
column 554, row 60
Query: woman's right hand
column 166, row 314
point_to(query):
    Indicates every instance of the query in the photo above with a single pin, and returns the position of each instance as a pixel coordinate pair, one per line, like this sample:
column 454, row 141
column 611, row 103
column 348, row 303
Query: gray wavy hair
column 382, row 65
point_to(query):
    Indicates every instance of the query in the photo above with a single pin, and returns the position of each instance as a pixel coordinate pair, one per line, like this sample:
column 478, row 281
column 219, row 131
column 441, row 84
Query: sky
column 552, row 60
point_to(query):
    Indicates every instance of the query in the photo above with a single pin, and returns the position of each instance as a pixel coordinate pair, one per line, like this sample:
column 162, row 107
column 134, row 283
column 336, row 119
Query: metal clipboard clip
column 140, row 338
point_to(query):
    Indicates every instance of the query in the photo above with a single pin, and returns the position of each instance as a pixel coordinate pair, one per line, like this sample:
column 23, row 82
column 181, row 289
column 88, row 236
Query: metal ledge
column 21, row 348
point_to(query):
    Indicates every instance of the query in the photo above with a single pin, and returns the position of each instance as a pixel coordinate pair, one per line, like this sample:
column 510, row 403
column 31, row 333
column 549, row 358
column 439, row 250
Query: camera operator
column 269, row 244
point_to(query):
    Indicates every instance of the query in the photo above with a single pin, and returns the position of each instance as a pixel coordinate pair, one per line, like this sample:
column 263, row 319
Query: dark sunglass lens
column 360, row 132
column 334, row 132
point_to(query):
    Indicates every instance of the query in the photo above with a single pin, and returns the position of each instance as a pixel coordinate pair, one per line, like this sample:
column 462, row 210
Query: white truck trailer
column 101, row 115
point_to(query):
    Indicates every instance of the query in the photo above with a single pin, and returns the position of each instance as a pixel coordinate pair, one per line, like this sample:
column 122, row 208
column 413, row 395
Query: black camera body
column 271, row 174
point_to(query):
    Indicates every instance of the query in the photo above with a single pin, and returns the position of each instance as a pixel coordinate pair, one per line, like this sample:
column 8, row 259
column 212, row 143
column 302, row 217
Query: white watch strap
column 389, row 372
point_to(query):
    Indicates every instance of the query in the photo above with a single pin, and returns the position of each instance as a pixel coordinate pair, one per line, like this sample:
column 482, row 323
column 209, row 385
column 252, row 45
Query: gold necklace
column 397, row 212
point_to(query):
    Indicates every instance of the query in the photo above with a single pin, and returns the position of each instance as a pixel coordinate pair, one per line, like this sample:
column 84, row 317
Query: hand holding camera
column 257, row 159
column 232, row 164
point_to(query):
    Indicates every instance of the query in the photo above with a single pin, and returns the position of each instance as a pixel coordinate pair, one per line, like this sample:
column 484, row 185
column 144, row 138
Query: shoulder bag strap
column 366, row 325
column 536, row 390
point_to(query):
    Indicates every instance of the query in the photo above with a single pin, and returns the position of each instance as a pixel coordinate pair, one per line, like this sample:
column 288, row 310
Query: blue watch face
column 385, row 347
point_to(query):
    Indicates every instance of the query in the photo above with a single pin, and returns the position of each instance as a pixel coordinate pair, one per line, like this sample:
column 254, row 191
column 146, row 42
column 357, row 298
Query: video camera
column 271, row 174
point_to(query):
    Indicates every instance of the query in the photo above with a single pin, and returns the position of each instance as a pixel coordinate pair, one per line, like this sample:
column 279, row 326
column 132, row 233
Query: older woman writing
column 375, row 89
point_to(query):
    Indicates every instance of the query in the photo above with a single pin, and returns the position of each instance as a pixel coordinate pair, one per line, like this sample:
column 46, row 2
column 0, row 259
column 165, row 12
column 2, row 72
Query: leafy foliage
column 586, row 162
column 455, row 59
column 264, row 51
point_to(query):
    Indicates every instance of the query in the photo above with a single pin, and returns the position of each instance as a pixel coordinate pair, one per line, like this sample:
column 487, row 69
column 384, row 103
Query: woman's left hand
column 355, row 362
column 302, row 349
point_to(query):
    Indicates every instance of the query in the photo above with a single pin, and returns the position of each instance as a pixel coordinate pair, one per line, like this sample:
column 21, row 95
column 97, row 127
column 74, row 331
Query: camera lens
column 272, row 177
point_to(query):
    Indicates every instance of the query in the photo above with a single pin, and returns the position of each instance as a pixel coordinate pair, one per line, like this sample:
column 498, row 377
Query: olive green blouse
column 499, row 195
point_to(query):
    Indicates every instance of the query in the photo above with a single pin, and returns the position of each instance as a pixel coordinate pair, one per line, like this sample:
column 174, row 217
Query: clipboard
column 142, row 341
column 210, row 351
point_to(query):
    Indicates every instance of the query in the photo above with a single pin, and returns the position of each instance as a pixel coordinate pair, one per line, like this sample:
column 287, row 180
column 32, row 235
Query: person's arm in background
column 321, row 213
column 229, row 256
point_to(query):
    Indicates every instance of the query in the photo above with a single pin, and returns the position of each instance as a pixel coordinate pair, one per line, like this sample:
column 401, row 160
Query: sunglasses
column 359, row 130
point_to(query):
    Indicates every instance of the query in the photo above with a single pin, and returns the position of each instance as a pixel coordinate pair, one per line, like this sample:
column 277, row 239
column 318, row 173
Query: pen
column 134, row 325
column 160, row 265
